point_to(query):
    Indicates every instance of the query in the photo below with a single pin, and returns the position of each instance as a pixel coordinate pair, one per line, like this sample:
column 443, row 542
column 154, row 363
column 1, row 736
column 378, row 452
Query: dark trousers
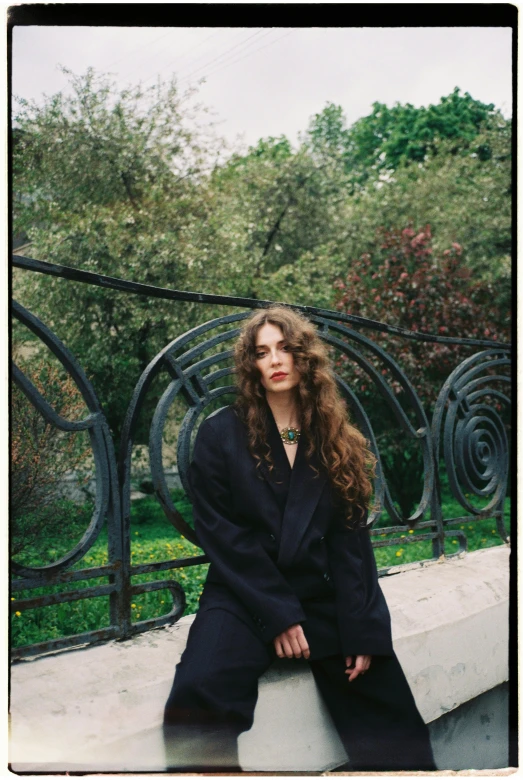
column 216, row 687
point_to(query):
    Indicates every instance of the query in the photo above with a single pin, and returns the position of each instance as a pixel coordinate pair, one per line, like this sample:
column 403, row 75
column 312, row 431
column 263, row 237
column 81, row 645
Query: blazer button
column 322, row 538
column 326, row 577
column 272, row 537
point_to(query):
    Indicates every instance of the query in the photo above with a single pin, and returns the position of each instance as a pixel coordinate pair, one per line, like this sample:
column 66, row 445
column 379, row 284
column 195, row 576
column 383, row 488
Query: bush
column 41, row 456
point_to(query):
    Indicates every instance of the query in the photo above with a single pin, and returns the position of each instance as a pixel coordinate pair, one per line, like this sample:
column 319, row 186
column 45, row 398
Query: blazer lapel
column 305, row 488
column 279, row 475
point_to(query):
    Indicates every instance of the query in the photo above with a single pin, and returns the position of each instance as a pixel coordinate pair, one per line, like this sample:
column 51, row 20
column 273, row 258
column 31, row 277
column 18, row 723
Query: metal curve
column 105, row 497
column 475, row 444
column 422, row 434
column 190, row 381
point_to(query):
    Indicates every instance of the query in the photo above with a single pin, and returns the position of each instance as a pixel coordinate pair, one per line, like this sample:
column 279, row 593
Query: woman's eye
column 260, row 355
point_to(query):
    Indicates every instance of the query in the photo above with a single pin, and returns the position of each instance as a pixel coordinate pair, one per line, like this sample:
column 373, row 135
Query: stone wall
column 100, row 708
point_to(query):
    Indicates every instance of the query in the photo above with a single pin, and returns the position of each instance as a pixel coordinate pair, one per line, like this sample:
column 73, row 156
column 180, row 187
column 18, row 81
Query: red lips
column 278, row 374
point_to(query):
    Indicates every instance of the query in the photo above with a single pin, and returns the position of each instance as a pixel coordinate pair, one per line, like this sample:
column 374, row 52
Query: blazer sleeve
column 363, row 615
column 233, row 549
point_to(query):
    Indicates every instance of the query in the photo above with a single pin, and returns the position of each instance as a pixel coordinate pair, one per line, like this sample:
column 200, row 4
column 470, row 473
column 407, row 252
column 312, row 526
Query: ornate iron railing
column 466, row 438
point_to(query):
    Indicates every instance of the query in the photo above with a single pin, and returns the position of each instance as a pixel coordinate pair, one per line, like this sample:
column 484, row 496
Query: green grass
column 154, row 539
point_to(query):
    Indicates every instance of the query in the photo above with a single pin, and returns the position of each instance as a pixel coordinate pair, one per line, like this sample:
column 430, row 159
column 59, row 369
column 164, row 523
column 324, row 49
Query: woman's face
column 274, row 360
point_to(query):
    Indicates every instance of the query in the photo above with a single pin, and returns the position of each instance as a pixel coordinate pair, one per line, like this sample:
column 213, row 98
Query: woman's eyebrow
column 264, row 346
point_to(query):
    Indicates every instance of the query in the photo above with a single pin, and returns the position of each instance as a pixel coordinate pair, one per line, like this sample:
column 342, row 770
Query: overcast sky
column 270, row 81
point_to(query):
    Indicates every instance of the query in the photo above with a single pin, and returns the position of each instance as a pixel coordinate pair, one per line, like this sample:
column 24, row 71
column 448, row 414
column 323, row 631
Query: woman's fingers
column 287, row 649
column 295, row 646
column 299, row 643
column 361, row 665
column 304, row 645
column 292, row 643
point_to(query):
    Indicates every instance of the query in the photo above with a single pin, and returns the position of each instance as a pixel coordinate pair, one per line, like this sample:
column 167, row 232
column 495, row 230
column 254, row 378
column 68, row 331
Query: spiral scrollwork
column 468, row 420
column 468, row 426
column 201, row 378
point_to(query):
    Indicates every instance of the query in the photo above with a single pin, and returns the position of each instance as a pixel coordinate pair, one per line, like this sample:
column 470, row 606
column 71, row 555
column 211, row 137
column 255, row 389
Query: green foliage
column 41, row 457
column 465, row 200
column 402, row 282
column 122, row 183
column 449, row 165
column 154, row 539
column 110, row 182
column 283, row 208
column 389, row 137
column 147, row 511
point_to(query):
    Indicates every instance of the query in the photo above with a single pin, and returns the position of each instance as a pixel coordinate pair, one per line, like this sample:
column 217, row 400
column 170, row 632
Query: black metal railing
column 466, row 438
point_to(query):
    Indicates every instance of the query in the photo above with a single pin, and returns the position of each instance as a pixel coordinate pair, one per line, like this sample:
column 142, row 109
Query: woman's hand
column 291, row 643
column 361, row 664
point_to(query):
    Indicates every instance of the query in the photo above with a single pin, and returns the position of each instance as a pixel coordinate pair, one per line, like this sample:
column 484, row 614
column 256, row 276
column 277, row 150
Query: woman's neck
column 284, row 408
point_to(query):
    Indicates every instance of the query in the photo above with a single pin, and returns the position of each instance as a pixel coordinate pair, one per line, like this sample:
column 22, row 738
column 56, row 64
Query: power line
column 220, row 56
column 248, row 54
column 213, row 35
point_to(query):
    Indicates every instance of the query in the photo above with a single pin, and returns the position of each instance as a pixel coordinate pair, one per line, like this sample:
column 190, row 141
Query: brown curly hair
column 343, row 451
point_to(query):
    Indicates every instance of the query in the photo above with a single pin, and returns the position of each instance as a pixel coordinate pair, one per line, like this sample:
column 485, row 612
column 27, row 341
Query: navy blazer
column 268, row 565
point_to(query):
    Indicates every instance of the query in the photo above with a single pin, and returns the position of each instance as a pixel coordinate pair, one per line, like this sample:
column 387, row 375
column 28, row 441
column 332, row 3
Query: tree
column 287, row 203
column 389, row 137
column 123, row 183
column 115, row 183
column 120, row 183
column 466, row 199
column 461, row 183
column 402, row 282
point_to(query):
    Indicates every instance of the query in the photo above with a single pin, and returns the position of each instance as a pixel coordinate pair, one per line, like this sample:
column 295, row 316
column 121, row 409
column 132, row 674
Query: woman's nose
column 275, row 358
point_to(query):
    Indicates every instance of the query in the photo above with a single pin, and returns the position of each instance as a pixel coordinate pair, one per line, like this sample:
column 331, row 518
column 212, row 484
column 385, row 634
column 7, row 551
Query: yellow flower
column 470, row 527
column 454, row 541
column 162, row 601
column 133, row 606
column 137, row 614
column 483, row 540
column 411, row 531
column 18, row 614
column 12, row 598
column 400, row 552
column 462, row 527
column 136, row 533
column 493, row 532
column 402, row 536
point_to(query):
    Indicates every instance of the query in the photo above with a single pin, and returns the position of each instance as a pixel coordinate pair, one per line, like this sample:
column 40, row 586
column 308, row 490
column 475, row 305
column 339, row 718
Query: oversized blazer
column 271, row 564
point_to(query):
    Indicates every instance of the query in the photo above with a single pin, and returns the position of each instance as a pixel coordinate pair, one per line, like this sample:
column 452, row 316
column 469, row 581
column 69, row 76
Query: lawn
column 154, row 539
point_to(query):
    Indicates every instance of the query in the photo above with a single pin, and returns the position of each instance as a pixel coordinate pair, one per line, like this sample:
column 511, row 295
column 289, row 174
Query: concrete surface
column 100, row 708
column 474, row 734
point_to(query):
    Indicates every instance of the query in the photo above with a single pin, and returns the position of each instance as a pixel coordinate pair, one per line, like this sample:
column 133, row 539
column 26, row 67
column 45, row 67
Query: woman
column 281, row 488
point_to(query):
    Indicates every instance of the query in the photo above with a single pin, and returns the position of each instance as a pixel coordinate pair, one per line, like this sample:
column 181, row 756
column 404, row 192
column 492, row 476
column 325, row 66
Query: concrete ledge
column 100, row 708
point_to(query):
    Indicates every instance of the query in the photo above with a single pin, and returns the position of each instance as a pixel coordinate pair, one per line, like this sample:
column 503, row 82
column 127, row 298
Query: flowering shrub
column 401, row 282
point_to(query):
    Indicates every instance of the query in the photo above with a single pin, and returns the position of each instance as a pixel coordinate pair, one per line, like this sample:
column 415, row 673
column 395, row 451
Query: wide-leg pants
column 215, row 691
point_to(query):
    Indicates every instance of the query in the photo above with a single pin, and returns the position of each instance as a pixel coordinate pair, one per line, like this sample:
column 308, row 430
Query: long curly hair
column 342, row 450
